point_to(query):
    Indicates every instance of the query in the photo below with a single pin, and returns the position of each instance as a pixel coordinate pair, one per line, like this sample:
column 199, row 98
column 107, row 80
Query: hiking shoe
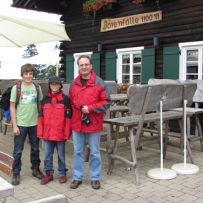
column 63, row 179
column 15, row 179
column 37, row 173
column 95, row 184
column 47, row 178
column 75, row 184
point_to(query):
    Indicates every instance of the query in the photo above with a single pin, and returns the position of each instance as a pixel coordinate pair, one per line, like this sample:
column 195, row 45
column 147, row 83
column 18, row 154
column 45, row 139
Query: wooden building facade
column 153, row 39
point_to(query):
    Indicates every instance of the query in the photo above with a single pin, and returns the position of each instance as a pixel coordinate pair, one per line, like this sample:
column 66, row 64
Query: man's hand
column 16, row 131
column 85, row 109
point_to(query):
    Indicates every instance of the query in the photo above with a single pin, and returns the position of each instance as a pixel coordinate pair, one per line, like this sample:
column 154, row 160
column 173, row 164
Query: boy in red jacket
column 54, row 128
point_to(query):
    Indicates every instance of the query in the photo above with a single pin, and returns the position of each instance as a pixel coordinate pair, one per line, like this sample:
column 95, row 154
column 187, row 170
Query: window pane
column 192, row 55
column 126, row 69
column 136, row 69
column 125, row 78
column 136, row 79
column 137, row 58
column 191, row 77
column 192, row 69
column 125, row 58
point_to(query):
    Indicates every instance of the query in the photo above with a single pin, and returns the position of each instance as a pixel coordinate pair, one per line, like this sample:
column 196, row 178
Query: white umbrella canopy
column 20, row 27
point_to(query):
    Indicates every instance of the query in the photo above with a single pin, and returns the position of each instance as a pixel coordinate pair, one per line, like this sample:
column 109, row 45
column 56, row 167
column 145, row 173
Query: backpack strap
column 37, row 90
column 18, row 91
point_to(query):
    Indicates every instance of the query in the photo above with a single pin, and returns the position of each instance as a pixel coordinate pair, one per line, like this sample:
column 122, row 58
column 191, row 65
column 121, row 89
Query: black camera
column 85, row 118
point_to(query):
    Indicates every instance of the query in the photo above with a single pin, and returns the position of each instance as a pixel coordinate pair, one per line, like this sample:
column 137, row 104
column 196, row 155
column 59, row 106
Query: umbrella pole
column 161, row 173
column 185, row 168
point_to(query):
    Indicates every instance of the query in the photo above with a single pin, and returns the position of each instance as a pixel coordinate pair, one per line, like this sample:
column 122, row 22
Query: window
column 129, row 65
column 191, row 61
column 76, row 56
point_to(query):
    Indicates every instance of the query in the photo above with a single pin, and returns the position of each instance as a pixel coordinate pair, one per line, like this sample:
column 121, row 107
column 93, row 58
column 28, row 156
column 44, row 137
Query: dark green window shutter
column 69, row 68
column 148, row 65
column 110, row 66
column 96, row 63
column 171, row 63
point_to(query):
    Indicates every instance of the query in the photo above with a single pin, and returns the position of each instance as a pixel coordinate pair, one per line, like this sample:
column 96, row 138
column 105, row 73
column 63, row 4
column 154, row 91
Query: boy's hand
column 16, row 131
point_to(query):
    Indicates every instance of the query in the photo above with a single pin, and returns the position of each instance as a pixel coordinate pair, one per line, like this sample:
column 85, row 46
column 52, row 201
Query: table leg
column 113, row 151
column 133, row 155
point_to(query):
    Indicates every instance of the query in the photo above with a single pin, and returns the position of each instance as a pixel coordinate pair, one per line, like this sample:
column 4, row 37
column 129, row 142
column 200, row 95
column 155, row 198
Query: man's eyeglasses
column 86, row 64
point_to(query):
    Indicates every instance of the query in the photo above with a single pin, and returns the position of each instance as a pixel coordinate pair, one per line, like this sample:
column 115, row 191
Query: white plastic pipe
column 184, row 131
column 161, row 137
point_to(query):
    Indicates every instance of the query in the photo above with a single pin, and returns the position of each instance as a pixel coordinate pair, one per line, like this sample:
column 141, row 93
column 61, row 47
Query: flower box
column 90, row 7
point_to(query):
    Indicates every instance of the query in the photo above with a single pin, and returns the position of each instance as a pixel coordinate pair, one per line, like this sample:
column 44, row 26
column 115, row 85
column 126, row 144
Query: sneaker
column 47, row 178
column 75, row 184
column 95, row 184
column 15, row 179
column 63, row 179
column 37, row 173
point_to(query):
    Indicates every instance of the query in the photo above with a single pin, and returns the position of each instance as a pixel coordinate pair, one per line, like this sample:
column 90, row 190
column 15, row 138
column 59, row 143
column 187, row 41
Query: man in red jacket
column 89, row 100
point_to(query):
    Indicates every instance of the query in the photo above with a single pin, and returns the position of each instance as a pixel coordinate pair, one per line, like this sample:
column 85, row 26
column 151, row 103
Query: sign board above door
column 123, row 22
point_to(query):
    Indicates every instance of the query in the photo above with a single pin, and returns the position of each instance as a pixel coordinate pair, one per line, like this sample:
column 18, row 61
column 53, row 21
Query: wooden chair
column 6, row 162
column 144, row 107
column 111, row 87
column 193, row 111
column 5, row 126
column 66, row 88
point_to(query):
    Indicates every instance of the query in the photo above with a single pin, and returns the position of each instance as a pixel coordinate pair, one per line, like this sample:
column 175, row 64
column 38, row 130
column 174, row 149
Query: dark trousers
column 19, row 146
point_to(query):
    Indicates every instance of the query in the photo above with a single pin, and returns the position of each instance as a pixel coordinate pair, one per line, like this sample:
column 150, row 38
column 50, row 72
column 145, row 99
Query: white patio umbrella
column 20, row 27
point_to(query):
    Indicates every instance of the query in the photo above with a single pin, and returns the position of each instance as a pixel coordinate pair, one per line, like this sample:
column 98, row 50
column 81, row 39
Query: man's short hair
column 27, row 68
column 84, row 56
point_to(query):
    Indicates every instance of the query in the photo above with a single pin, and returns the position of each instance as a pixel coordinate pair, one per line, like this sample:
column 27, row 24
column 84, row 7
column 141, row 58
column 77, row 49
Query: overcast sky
column 13, row 55
column 42, row 48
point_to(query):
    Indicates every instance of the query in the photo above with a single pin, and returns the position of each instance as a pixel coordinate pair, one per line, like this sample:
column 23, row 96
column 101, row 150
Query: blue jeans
column 95, row 163
column 19, row 146
column 48, row 157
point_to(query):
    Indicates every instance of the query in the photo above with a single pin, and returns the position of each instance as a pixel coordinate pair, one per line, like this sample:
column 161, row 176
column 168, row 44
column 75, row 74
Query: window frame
column 184, row 47
column 120, row 52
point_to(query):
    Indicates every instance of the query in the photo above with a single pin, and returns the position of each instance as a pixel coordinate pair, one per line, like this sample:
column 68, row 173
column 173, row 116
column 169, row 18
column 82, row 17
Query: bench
column 52, row 199
column 144, row 107
column 195, row 111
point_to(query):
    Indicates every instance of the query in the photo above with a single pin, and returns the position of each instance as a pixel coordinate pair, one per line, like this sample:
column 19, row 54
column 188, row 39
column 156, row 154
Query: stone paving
column 118, row 187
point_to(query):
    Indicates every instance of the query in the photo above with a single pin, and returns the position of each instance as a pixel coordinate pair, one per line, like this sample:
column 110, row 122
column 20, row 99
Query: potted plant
column 138, row 1
column 90, row 7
